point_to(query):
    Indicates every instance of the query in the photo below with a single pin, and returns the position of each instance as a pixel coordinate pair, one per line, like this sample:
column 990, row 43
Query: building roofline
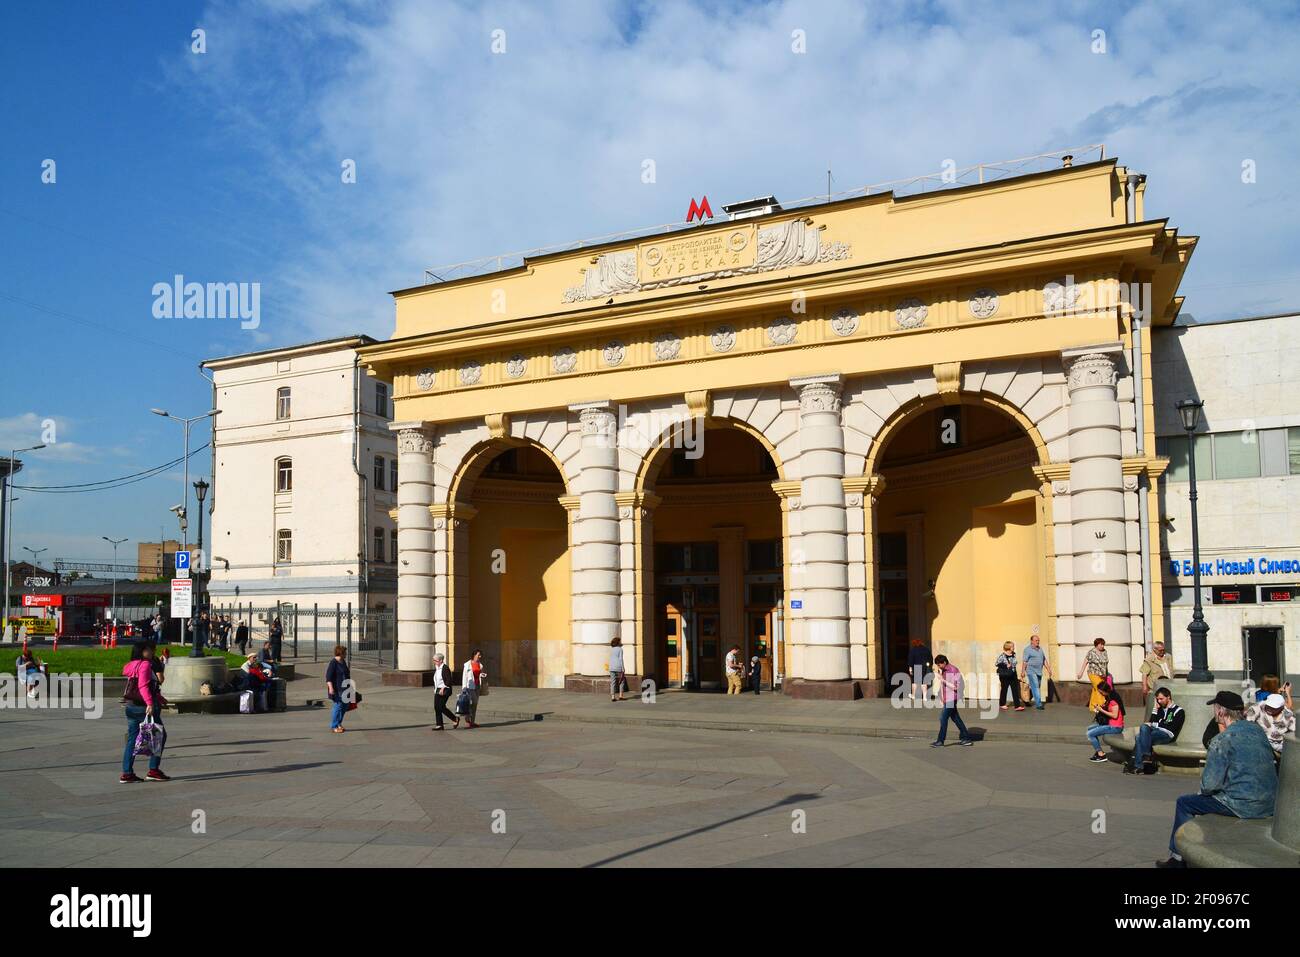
column 792, row 210
column 1224, row 322
column 358, row 339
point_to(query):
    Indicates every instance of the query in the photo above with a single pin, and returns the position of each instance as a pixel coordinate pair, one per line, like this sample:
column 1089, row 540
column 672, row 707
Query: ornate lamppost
column 1190, row 410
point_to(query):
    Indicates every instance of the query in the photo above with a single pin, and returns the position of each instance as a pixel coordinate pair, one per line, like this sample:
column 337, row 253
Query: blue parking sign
column 182, row 560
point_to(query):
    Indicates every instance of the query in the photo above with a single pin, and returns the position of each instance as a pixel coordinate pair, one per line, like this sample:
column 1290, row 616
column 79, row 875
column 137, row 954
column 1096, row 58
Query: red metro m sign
column 700, row 210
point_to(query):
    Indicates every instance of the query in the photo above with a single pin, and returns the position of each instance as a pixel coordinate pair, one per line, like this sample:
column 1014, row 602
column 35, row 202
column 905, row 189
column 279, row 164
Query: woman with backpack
column 1110, row 719
column 143, row 702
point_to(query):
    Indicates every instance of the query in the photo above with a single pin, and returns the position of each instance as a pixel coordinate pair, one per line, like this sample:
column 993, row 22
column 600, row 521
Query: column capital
column 452, row 512
column 630, row 503
column 595, row 418
column 414, row 436
column 1089, row 366
column 817, row 393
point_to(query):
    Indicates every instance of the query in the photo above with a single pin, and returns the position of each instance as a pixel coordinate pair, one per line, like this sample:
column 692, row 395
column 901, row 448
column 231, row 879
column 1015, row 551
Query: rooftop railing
column 929, row 182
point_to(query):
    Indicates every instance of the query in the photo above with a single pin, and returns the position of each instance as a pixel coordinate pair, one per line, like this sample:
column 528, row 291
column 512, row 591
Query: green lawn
column 104, row 661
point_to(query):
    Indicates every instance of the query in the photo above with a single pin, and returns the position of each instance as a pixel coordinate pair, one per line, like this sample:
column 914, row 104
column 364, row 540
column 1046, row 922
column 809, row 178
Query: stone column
column 415, row 617
column 861, row 493
column 1097, row 540
column 823, row 540
column 595, row 550
column 636, row 583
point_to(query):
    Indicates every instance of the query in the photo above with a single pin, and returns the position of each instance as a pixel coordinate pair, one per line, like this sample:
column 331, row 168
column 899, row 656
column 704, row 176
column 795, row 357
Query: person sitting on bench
column 1162, row 727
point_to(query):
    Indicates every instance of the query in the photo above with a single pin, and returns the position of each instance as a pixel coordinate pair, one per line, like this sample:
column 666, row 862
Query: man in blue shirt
column 1239, row 779
column 1033, row 665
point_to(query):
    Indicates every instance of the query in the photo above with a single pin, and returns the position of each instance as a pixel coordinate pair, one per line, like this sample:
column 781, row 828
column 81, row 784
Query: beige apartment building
column 305, row 473
column 155, row 559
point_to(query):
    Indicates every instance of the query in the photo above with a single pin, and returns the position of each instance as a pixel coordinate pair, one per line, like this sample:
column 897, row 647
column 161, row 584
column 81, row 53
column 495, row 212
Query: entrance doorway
column 1263, row 652
column 718, row 560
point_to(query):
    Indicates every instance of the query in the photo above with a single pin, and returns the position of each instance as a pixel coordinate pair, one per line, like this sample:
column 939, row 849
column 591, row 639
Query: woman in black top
column 919, row 665
column 338, row 685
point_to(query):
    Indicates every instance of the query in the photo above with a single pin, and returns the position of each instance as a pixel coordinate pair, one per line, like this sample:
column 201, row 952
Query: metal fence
column 312, row 631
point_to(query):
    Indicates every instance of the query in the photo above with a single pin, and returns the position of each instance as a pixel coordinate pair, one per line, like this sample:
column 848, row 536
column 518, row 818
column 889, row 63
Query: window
column 392, row 541
column 282, row 402
column 1175, row 446
column 392, row 474
column 764, row 556
column 284, row 475
column 284, row 545
column 379, row 545
column 381, row 399
column 379, row 473
column 1236, row 455
column 1293, row 450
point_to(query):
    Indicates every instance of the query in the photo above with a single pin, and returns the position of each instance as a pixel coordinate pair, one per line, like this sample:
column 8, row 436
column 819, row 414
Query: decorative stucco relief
column 516, row 365
column 781, row 246
column 844, row 322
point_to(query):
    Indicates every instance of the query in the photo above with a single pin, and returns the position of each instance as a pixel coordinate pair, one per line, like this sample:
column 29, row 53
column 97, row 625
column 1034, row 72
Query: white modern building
column 1247, row 372
column 305, row 475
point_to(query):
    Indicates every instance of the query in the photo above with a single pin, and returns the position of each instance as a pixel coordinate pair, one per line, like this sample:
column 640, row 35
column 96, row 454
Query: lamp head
column 1190, row 411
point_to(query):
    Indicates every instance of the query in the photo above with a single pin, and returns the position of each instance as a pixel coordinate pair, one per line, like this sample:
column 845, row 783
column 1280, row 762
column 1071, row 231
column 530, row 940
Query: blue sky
column 224, row 166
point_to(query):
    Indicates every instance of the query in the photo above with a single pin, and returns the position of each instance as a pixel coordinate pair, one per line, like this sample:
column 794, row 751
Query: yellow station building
column 816, row 433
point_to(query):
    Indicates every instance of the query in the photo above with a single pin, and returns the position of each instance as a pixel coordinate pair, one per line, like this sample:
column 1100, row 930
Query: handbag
column 151, row 739
column 482, row 685
column 356, row 700
column 462, row 702
column 131, row 693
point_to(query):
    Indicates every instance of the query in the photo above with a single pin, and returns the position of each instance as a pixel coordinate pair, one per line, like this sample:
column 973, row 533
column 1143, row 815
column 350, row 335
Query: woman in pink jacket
column 142, row 699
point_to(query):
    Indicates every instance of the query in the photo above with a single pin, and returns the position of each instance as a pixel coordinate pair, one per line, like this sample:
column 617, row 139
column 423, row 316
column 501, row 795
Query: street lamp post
column 185, row 490
column 1190, row 411
column 6, row 502
column 200, row 627
column 114, row 542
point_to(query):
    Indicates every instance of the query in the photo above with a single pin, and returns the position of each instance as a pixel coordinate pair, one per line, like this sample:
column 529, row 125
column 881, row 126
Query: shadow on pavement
column 792, row 799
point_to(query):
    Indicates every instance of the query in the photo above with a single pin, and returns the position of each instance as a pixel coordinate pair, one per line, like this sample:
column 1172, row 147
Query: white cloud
column 462, row 153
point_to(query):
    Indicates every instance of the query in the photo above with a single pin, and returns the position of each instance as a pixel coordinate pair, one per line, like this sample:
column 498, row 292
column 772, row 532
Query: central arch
column 714, row 568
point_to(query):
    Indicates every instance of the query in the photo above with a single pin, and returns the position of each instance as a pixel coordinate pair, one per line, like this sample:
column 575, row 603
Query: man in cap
column 1274, row 717
column 1156, row 667
column 1239, row 779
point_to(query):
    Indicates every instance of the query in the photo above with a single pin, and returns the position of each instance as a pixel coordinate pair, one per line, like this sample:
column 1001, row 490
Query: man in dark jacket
column 442, row 693
column 1162, row 727
column 241, row 638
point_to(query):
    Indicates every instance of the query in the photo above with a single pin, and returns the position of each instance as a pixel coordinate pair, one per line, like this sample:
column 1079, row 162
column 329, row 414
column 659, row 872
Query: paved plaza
column 279, row 790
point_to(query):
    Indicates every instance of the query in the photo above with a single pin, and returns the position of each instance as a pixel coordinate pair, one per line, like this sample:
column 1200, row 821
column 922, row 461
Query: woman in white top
column 470, row 681
column 617, row 677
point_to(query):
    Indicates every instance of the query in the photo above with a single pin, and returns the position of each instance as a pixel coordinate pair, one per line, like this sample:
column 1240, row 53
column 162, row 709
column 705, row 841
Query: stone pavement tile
column 236, row 853
column 393, row 838
column 314, row 853
column 460, row 857
column 371, row 855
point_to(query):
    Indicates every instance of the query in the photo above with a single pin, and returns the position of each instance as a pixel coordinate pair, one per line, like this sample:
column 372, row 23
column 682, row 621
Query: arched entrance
column 716, row 573
column 960, row 535
column 510, row 587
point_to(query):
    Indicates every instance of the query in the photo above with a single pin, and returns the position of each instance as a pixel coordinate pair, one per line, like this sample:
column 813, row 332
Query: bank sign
column 1264, row 565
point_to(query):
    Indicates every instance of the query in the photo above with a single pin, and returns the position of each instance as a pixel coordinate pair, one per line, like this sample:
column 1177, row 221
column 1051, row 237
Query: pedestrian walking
column 1009, row 677
column 470, row 679
column 1109, row 720
column 1033, row 665
column 919, row 666
column 735, row 670
column 755, row 674
column 1097, row 664
column 276, row 638
column 241, row 638
column 617, row 672
column 142, row 703
column 442, row 693
column 1240, row 777
column 950, row 692
column 338, row 685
